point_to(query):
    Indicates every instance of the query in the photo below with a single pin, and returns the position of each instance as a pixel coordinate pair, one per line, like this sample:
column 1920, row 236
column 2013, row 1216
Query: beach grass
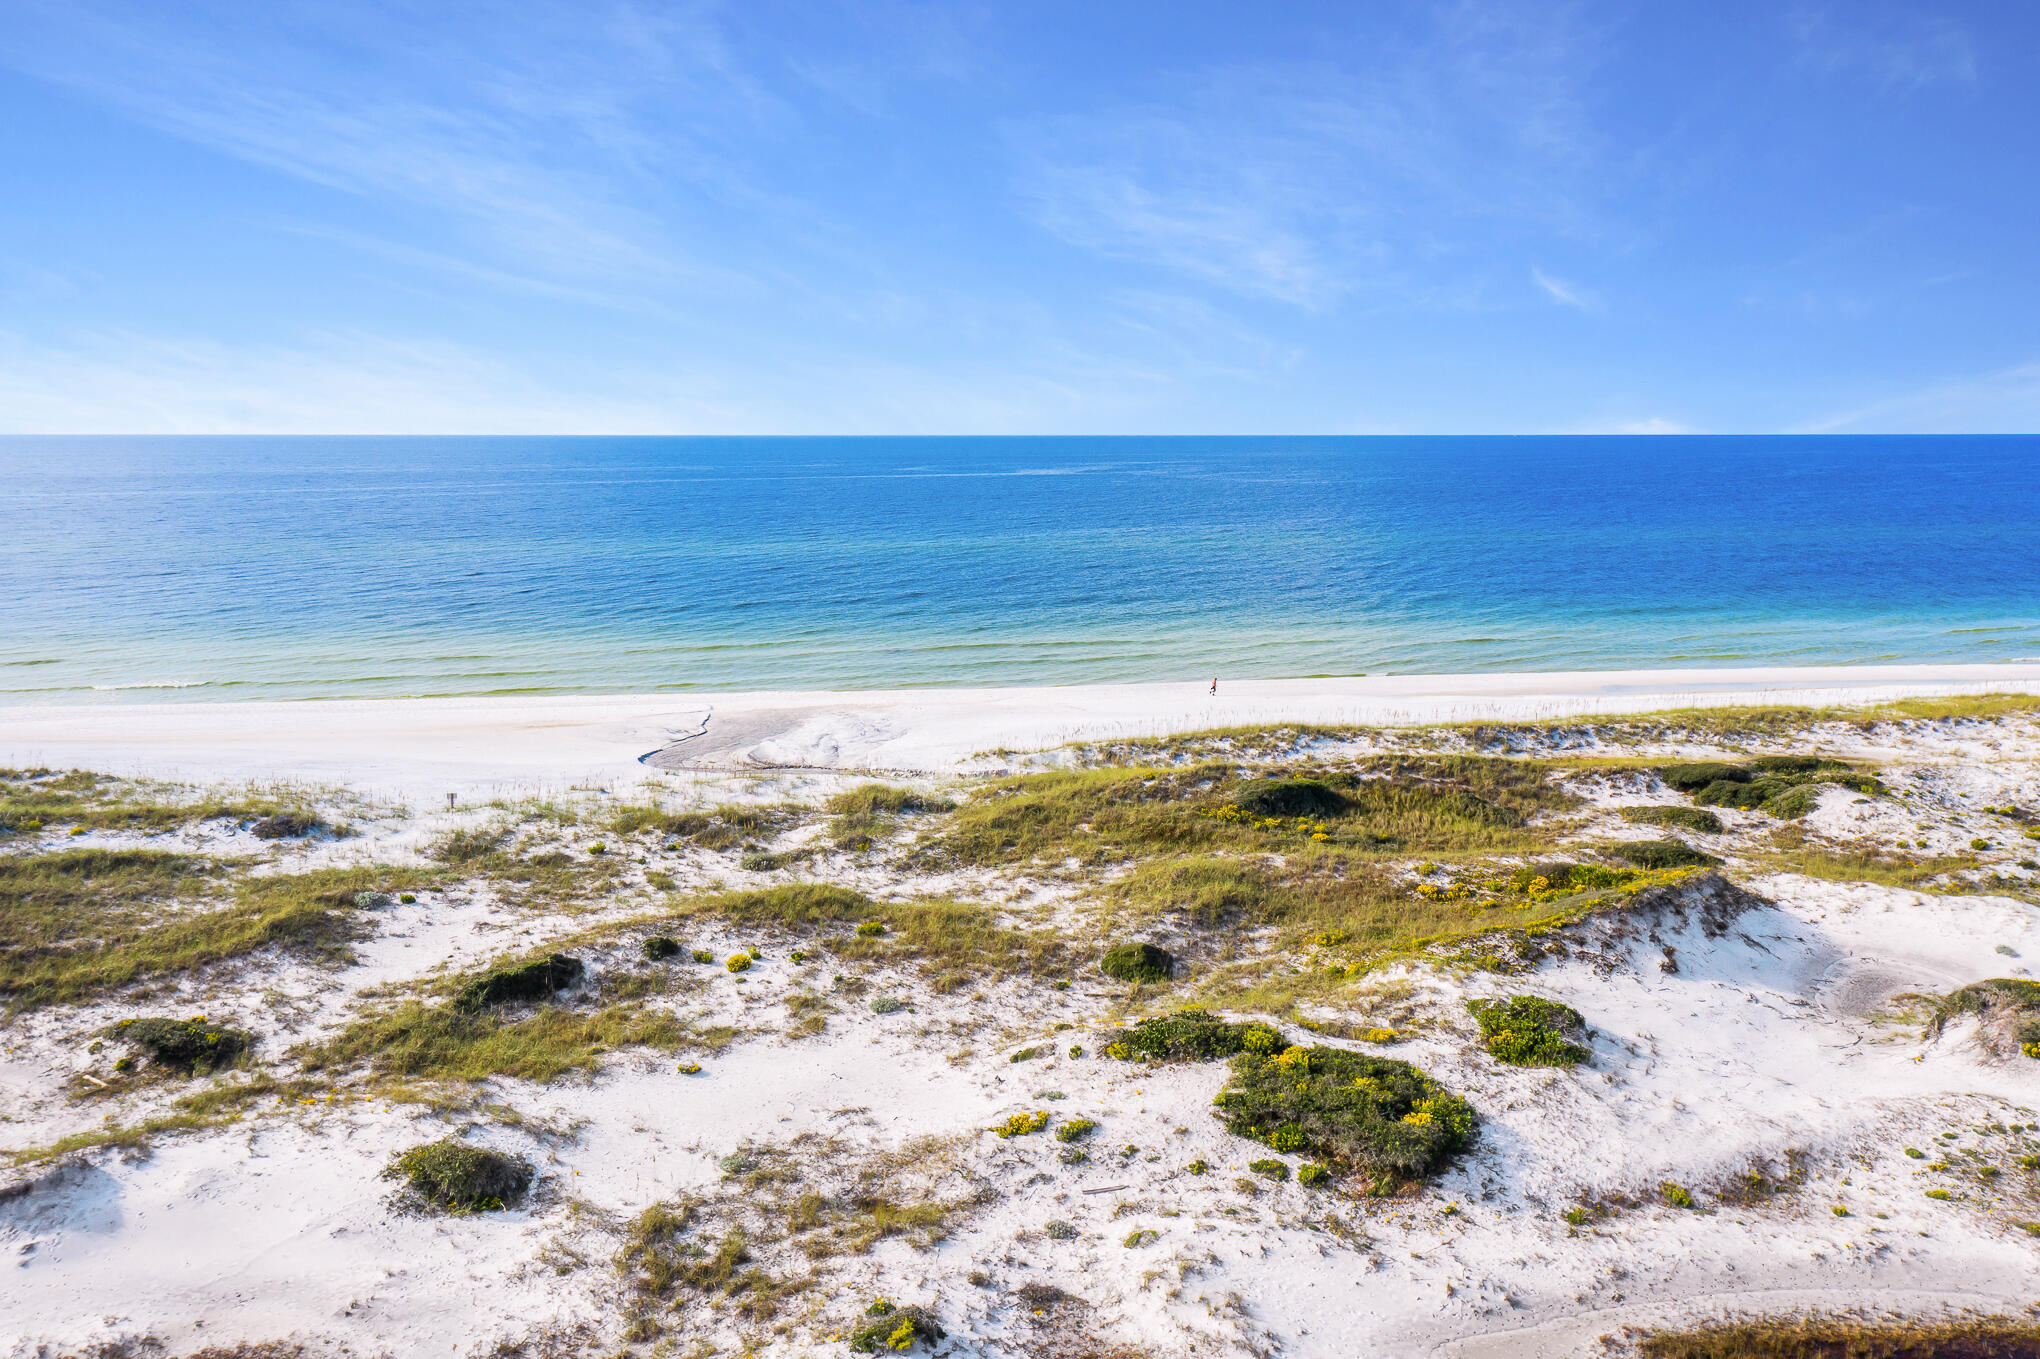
column 79, row 923
column 51, row 800
column 1850, row 1338
column 1380, row 805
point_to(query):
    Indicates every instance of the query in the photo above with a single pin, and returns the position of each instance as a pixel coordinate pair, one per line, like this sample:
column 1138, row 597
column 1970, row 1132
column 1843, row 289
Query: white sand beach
column 419, row 749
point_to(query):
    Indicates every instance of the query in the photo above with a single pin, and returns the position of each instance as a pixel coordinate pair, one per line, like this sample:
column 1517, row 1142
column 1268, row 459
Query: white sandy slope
column 418, row 750
column 1766, row 1039
column 1758, row 1044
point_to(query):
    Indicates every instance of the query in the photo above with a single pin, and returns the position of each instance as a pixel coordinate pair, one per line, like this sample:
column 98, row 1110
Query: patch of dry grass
column 78, row 923
column 1849, row 1338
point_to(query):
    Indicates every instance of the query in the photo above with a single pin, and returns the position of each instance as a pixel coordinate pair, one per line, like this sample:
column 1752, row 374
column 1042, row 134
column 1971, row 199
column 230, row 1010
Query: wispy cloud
column 522, row 122
column 1385, row 170
column 2000, row 401
column 1900, row 50
column 1563, row 293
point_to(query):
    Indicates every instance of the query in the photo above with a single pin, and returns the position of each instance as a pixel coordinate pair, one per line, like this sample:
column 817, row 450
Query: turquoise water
column 159, row 568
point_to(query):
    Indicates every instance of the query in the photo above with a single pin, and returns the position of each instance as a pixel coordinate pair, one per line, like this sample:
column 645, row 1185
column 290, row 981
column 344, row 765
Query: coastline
column 419, row 749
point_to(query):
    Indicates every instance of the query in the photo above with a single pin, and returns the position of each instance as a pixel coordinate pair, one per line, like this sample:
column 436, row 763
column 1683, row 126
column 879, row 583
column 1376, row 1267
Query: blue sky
column 1178, row 217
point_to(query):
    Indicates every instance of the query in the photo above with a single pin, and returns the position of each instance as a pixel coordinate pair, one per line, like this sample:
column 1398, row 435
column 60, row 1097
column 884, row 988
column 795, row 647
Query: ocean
column 220, row 568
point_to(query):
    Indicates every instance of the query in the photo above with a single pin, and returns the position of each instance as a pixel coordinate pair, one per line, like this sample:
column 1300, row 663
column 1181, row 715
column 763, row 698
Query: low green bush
column 660, row 947
column 1529, row 1031
column 1785, row 786
column 460, row 1177
column 1270, row 1168
column 1075, row 1129
column 286, row 826
column 1660, row 854
column 534, row 980
column 894, row 1328
column 1193, row 1036
column 1686, row 818
column 1137, row 963
column 1310, row 1174
column 1292, row 797
column 1691, row 778
column 194, row 1047
column 1346, row 1109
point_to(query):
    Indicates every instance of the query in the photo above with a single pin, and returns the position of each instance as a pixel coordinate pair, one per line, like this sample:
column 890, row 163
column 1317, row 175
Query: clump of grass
column 191, row 1047
column 2007, row 1008
column 83, row 922
column 47, row 799
column 720, row 828
column 460, row 1177
column 1370, row 1114
column 956, row 943
column 1529, row 1031
column 467, row 845
column 862, row 815
column 1685, row 818
column 1432, row 803
column 1137, row 963
column 1193, row 1036
column 462, row 1041
column 1814, row 1337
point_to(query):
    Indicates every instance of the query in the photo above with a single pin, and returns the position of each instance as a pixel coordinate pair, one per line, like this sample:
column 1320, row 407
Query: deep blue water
column 273, row 567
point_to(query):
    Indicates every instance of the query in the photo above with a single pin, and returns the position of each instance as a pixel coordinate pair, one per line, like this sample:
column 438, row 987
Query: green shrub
column 702, row 955
column 1270, row 1168
column 887, row 1005
column 1193, row 1036
column 1198, row 1166
column 535, row 980
column 659, row 947
column 1310, row 1174
column 286, row 826
column 1026, row 1054
column 1291, row 797
column 1660, row 854
column 1529, row 1031
column 1675, row 1195
column 1686, row 818
column 1143, row 1236
column 461, row 1178
column 870, row 929
column 1059, row 1230
column 1691, row 778
column 1075, row 1129
column 1346, row 1109
column 894, row 1328
column 739, row 962
column 1137, row 963
column 195, row 1047
column 1793, row 803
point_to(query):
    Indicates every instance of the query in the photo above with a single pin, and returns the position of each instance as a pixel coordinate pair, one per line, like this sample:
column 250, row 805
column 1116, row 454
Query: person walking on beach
column 1214, row 686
